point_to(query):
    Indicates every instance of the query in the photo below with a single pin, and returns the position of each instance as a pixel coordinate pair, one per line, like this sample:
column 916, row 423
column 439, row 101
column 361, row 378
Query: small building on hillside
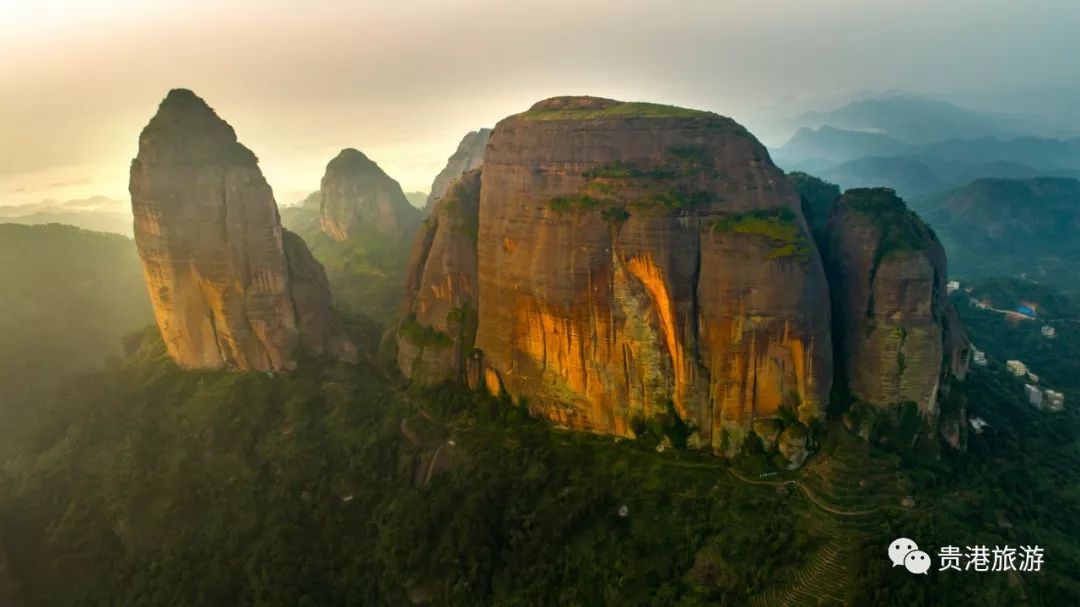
column 1055, row 401
column 952, row 287
column 1049, row 332
column 1032, row 377
column 1034, row 396
column 977, row 424
column 978, row 357
column 1017, row 368
column 1025, row 311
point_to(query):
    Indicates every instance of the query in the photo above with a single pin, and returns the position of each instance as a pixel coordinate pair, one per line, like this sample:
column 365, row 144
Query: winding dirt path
column 810, row 495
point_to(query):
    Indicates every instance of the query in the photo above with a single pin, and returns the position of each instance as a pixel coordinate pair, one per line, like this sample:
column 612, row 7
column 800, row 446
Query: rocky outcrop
column 469, row 156
column 637, row 268
column 632, row 260
column 358, row 197
column 438, row 325
column 900, row 339
column 229, row 288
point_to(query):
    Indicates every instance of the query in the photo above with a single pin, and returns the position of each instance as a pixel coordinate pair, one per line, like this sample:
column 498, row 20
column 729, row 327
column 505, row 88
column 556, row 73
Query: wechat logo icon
column 905, row 553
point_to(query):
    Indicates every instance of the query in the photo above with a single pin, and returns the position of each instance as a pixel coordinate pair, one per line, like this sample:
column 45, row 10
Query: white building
column 978, row 357
column 977, row 424
column 953, row 286
column 1034, row 396
column 1049, row 332
column 1034, row 378
column 1017, row 368
column 1055, row 401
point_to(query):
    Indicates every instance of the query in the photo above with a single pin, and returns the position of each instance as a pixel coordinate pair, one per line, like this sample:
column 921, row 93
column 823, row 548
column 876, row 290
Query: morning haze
column 404, row 81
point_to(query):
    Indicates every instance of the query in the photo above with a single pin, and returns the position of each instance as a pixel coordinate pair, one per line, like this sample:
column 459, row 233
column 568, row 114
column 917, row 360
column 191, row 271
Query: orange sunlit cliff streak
column 603, row 291
column 635, row 263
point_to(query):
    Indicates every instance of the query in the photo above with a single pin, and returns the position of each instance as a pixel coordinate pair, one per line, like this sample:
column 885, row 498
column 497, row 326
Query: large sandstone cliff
column 358, row 196
column 229, row 288
column 438, row 328
column 636, row 260
column 468, row 156
column 900, row 338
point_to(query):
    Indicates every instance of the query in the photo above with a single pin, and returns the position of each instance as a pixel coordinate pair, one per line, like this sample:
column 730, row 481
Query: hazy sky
column 404, row 80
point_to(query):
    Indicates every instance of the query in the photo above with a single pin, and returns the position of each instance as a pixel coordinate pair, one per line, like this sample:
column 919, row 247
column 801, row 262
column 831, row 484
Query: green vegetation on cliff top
column 818, row 197
column 779, row 226
column 621, row 109
column 901, row 228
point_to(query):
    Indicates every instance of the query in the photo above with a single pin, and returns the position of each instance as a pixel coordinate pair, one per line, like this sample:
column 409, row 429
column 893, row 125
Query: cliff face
column 634, row 258
column 227, row 291
column 630, row 264
column 901, row 339
column 438, row 328
column 357, row 195
column 468, row 156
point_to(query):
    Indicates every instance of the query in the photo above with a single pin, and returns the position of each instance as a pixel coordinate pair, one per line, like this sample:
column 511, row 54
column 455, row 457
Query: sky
column 404, row 81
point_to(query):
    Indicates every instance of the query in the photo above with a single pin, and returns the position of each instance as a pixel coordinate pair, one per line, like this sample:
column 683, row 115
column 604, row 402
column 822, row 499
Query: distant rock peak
column 469, row 156
column 359, row 197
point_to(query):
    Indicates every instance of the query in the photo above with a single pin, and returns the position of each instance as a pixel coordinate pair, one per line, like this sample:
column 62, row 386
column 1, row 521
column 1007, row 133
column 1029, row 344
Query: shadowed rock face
column 469, row 156
column 357, row 195
column 635, row 257
column 901, row 339
column 229, row 289
column 439, row 313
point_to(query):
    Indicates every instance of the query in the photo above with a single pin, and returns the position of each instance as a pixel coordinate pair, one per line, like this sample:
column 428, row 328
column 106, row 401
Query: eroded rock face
column 214, row 255
column 357, row 195
column 901, row 339
column 632, row 257
column 438, row 329
column 468, row 156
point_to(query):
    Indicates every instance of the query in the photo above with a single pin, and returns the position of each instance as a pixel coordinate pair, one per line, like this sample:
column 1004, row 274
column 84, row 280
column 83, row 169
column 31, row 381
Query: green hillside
column 1006, row 227
column 68, row 297
column 147, row 485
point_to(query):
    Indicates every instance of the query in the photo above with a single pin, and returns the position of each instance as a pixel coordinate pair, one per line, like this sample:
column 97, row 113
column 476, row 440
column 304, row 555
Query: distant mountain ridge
column 919, row 146
column 1011, row 227
column 911, row 118
column 96, row 213
column 856, row 159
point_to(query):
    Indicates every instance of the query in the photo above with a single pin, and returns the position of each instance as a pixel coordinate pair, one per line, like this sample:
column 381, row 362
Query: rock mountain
column 230, row 288
column 900, row 339
column 614, row 263
column 468, row 156
column 358, row 196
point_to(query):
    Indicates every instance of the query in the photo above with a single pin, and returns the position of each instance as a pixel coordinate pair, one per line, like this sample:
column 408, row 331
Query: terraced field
column 849, row 487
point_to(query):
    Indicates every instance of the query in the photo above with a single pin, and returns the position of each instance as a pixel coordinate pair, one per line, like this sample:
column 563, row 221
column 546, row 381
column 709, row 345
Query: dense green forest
column 366, row 272
column 147, row 485
column 142, row 484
